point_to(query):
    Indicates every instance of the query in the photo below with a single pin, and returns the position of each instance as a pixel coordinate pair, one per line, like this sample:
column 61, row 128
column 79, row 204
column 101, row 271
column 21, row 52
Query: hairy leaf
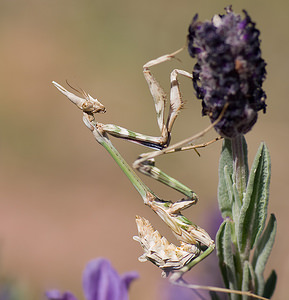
column 225, row 166
column 246, row 279
column 236, row 206
column 262, row 252
column 254, row 209
column 270, row 285
column 225, row 254
column 220, row 252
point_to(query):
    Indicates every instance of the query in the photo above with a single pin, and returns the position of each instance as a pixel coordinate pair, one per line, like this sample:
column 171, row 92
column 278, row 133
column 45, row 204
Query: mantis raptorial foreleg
column 145, row 163
column 160, row 99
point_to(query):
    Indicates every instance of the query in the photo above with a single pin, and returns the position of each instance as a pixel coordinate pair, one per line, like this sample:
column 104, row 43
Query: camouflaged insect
column 159, row 251
column 195, row 242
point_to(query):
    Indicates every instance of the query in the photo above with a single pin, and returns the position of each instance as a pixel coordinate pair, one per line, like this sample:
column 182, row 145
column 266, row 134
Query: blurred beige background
column 63, row 200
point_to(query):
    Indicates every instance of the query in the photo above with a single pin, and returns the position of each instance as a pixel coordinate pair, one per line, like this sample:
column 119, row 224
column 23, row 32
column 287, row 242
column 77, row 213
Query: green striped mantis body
column 195, row 242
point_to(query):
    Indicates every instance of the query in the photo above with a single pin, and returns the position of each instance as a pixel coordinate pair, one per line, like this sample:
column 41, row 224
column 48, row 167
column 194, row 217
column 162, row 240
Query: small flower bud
column 229, row 69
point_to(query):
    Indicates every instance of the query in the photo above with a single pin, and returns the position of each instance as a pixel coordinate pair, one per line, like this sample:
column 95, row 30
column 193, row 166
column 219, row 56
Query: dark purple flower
column 229, row 69
column 100, row 282
column 57, row 295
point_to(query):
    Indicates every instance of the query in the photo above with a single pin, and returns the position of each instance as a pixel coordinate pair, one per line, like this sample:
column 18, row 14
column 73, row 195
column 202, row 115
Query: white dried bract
column 159, row 251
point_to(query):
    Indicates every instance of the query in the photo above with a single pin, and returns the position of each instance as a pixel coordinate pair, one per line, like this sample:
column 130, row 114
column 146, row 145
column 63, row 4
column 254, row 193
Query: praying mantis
column 195, row 242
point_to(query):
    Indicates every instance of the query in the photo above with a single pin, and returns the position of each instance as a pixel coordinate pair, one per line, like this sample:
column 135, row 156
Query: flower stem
column 239, row 165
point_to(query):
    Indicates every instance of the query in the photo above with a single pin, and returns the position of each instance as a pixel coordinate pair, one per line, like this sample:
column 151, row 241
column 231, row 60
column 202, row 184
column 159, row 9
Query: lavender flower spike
column 100, row 282
column 57, row 295
column 229, row 69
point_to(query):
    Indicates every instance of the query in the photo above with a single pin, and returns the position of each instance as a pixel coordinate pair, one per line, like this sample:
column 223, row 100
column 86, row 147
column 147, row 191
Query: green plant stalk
column 240, row 178
column 243, row 201
column 239, row 169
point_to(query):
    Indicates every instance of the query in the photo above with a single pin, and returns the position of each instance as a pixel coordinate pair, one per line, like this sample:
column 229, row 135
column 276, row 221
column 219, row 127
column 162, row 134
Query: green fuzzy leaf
column 225, row 167
column 229, row 185
column 226, row 180
column 246, row 279
column 262, row 252
column 254, row 209
column 245, row 152
column 262, row 197
column 236, row 206
column 226, row 257
column 220, row 252
column 270, row 285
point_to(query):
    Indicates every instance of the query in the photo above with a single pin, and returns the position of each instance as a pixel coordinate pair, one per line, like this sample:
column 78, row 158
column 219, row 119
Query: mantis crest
column 195, row 242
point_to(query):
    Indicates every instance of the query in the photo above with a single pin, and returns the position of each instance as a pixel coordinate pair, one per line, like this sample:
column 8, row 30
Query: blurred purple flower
column 57, row 295
column 100, row 282
column 5, row 293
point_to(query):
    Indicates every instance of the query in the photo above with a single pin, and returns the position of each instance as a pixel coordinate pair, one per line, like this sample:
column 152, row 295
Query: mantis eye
column 87, row 107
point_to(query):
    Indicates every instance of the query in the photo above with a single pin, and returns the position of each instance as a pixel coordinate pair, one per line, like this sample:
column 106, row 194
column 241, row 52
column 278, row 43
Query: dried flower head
column 229, row 69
